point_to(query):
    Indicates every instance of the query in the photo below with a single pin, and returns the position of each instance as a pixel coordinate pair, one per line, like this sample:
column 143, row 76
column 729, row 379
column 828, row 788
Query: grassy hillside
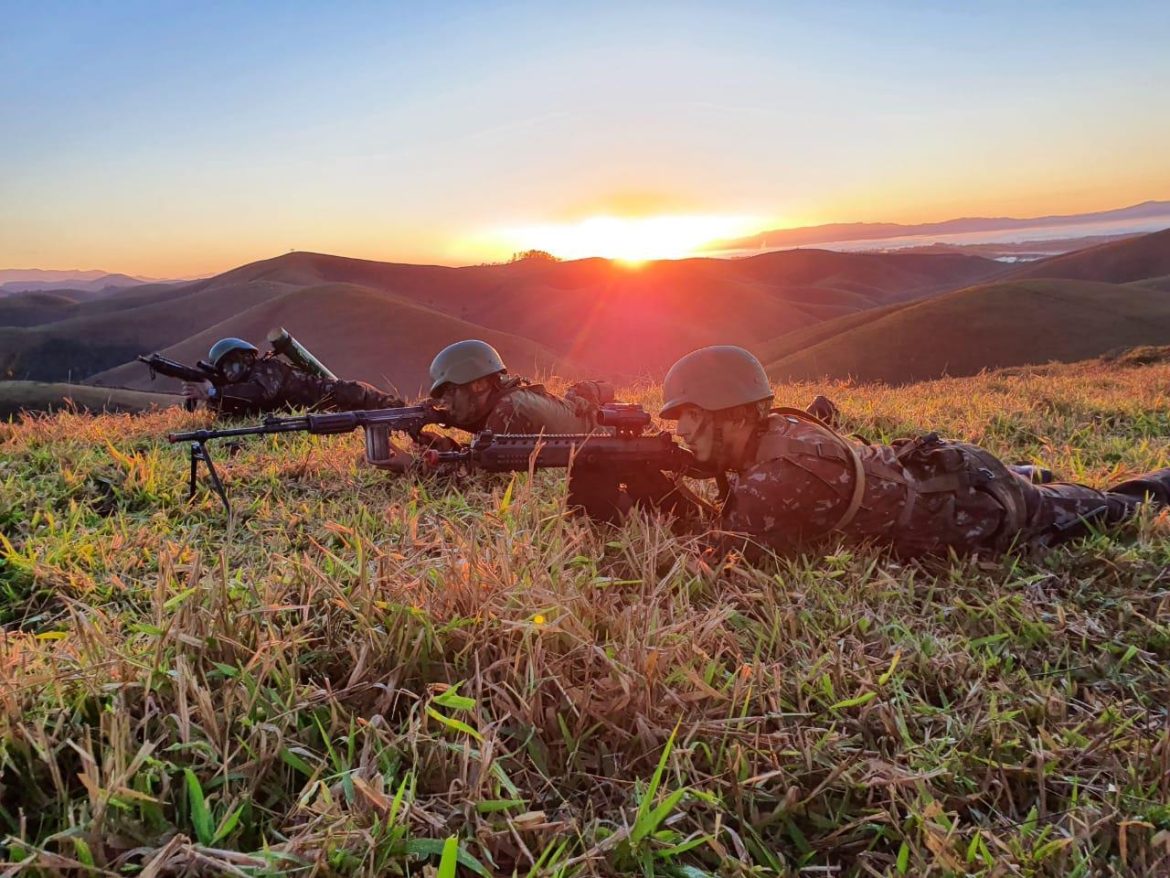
column 985, row 327
column 1157, row 283
column 352, row 670
column 801, row 339
column 35, row 396
column 1119, row 262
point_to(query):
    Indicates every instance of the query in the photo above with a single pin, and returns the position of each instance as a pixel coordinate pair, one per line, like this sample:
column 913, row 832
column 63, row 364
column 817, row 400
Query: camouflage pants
column 357, row 396
column 1063, row 511
column 965, row 499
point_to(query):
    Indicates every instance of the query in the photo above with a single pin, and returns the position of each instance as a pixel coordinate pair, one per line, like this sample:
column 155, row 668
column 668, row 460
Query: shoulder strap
column 850, row 454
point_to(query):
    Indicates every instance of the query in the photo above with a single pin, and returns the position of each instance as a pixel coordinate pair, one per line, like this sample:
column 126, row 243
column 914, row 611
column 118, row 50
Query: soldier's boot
column 1153, row 487
column 1037, row 475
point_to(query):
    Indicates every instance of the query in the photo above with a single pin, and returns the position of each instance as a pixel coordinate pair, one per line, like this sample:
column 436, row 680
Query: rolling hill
column 367, row 335
column 31, row 309
column 95, row 339
column 1090, row 302
column 802, row 339
column 1119, row 262
column 985, row 327
column 35, row 396
column 889, row 316
column 599, row 317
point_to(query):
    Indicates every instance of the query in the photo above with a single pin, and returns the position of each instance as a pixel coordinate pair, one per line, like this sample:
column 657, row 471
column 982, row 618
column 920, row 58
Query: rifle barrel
column 409, row 418
column 284, row 425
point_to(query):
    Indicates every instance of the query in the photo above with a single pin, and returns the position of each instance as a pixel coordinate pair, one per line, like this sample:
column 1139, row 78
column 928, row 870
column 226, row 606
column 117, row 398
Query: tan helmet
column 464, row 362
column 714, row 378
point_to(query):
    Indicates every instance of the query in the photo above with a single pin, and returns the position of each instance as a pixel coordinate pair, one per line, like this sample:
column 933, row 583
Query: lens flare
column 627, row 239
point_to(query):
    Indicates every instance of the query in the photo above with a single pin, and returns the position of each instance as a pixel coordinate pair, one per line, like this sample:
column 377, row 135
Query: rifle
column 626, row 448
column 202, row 371
column 598, row 460
column 376, row 422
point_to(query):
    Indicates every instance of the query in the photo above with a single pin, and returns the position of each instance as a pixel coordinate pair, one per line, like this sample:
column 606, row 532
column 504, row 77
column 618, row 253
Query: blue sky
column 173, row 138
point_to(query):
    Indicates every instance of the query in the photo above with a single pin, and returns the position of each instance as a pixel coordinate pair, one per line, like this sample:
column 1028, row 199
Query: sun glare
column 627, row 239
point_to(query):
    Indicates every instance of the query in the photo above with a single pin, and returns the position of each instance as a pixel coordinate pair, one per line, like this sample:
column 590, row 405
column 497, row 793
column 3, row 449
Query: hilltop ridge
column 875, row 316
column 595, row 316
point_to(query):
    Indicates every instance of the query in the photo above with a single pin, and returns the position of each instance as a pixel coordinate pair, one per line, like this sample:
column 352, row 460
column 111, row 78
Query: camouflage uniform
column 924, row 496
column 273, row 384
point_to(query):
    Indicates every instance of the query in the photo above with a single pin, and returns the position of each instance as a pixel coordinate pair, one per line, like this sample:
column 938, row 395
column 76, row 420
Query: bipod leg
column 199, row 452
column 194, row 477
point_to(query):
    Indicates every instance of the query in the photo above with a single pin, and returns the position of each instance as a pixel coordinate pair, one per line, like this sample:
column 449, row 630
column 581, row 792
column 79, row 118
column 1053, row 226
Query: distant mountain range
column 23, row 280
column 842, row 232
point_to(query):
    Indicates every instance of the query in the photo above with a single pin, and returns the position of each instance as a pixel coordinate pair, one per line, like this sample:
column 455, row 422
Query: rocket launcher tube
column 298, row 354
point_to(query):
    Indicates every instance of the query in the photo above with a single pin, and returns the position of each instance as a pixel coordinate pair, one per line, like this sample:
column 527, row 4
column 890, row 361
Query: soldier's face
column 467, row 402
column 697, row 429
column 237, row 365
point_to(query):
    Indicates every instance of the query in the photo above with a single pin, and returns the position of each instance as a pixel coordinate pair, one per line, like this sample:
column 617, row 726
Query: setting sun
column 628, row 239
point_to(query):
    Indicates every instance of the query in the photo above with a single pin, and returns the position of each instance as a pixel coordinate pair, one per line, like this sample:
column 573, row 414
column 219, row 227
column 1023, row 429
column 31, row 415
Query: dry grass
column 352, row 671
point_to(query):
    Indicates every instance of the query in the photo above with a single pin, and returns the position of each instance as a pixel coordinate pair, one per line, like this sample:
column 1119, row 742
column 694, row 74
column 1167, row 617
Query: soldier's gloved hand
column 397, row 460
column 654, row 489
column 197, row 391
column 430, row 440
column 825, row 410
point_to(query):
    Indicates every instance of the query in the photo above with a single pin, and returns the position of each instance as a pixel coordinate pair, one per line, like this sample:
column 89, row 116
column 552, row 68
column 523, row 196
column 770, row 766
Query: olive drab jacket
column 273, row 384
column 520, row 407
column 920, row 497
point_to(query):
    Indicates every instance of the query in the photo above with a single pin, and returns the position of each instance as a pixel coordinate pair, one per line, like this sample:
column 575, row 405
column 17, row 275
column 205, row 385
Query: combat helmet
column 226, row 346
column 464, row 362
column 714, row 378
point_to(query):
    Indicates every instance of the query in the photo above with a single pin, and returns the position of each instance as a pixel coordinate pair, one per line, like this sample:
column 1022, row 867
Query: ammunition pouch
column 933, row 465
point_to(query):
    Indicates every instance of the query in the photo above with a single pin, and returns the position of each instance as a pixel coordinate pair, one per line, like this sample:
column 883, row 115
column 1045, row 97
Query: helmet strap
column 718, row 442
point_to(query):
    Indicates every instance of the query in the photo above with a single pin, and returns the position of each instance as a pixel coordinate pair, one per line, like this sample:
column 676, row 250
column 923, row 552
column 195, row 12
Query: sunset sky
column 174, row 139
